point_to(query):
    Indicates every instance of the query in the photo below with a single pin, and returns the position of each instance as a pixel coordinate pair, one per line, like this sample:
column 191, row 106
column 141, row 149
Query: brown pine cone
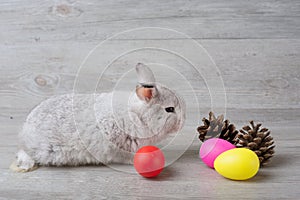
column 258, row 140
column 217, row 127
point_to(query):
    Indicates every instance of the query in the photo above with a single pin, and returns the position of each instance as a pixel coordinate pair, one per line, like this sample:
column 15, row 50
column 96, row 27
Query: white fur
column 145, row 75
column 97, row 129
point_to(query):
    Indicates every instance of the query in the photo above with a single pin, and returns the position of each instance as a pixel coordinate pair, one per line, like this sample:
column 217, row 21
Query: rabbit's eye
column 170, row 109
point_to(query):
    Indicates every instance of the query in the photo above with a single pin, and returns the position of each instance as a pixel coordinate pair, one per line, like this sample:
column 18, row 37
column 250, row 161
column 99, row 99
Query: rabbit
column 85, row 129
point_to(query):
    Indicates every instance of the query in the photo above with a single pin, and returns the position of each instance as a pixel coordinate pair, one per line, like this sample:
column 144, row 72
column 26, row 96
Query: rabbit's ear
column 145, row 93
column 145, row 75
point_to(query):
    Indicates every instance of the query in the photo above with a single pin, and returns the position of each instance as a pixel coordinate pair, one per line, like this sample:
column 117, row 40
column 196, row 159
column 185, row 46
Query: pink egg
column 212, row 148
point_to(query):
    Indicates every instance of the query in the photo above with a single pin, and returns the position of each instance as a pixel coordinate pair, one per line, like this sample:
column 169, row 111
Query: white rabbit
column 89, row 129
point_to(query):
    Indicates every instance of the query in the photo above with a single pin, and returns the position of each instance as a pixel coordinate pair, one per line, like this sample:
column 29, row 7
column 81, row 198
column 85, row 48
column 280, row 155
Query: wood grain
column 254, row 44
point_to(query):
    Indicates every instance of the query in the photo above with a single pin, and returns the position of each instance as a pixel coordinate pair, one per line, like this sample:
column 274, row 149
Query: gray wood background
column 255, row 45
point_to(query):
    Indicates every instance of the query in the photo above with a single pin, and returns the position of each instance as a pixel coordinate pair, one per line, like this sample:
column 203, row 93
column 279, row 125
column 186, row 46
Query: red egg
column 149, row 161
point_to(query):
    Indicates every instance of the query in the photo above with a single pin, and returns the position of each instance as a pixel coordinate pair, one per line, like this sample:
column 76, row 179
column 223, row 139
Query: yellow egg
column 237, row 164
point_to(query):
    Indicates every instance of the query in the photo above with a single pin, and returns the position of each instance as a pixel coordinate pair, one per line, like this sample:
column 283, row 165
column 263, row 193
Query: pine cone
column 216, row 127
column 228, row 132
column 257, row 140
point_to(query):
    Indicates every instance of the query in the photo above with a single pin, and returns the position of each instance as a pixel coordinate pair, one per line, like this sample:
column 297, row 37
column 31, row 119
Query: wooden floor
column 254, row 44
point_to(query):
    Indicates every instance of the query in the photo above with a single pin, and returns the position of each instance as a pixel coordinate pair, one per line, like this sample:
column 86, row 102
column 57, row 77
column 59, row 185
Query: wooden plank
column 188, row 177
column 256, row 73
column 94, row 20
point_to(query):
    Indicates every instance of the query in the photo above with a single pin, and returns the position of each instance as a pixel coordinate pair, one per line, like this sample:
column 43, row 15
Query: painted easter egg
column 212, row 148
column 237, row 164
